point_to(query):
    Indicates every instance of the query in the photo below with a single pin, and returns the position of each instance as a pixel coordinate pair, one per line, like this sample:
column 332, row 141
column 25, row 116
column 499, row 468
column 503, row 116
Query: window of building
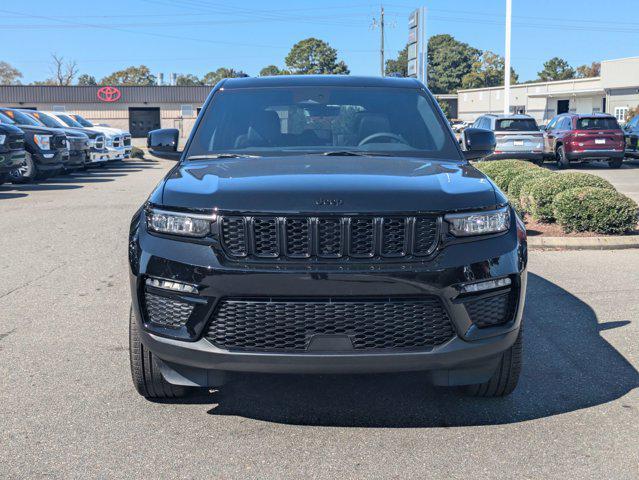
column 59, row 108
column 187, row 111
column 621, row 113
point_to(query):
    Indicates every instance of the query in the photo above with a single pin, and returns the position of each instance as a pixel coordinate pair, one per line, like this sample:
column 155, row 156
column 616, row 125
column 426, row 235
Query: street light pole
column 507, row 59
column 381, row 32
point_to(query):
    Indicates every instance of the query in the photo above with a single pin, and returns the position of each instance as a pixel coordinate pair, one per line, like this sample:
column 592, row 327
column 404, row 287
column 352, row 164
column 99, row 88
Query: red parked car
column 571, row 137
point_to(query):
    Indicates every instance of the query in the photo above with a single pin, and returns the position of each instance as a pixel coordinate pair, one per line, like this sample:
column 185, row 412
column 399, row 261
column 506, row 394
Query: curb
column 583, row 243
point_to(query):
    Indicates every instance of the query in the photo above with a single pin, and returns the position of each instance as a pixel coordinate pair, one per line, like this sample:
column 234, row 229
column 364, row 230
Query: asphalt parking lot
column 68, row 408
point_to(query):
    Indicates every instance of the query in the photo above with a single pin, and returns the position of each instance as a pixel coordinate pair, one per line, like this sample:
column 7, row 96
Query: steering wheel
column 375, row 136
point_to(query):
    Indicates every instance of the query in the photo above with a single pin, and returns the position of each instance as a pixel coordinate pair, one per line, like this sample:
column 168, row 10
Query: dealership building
column 137, row 109
column 615, row 91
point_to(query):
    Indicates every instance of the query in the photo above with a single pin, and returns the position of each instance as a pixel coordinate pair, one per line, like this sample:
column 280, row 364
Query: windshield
column 5, row 119
column 597, row 123
column 276, row 121
column 516, row 125
column 81, row 120
column 68, row 120
column 21, row 118
column 47, row 120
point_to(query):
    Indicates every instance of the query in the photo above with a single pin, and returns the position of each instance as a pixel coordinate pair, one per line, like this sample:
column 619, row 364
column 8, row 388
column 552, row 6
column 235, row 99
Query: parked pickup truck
column 47, row 149
column 121, row 139
column 12, row 152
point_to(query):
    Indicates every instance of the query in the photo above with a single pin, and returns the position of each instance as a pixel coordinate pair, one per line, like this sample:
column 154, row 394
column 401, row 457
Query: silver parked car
column 518, row 137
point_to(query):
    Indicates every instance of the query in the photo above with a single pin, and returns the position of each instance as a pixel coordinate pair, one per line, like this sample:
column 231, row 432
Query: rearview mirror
column 478, row 143
column 163, row 143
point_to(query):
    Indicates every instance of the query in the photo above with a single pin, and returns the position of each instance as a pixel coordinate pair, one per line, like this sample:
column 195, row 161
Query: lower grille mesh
column 272, row 325
column 167, row 312
column 489, row 311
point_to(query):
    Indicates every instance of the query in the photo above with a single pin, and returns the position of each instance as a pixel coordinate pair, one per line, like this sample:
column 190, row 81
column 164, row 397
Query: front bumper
column 77, row 159
column 11, row 159
column 116, row 153
column 51, row 160
column 581, row 155
column 100, row 156
column 187, row 358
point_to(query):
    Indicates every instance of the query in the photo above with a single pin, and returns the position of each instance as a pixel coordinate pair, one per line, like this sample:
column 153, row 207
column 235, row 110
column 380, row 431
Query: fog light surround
column 171, row 285
column 486, row 285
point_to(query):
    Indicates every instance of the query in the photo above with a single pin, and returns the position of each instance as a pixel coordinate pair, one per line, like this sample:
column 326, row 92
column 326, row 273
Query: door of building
column 143, row 120
column 563, row 106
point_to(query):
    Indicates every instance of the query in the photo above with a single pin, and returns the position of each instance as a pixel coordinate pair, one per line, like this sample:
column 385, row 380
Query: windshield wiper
column 352, row 153
column 220, row 155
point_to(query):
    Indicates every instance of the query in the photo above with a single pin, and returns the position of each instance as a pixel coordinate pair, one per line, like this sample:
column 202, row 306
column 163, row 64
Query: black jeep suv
column 325, row 224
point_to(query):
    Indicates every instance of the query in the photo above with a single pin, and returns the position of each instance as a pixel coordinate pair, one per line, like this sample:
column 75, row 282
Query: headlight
column 2, row 139
column 91, row 142
column 43, row 141
column 479, row 223
column 178, row 223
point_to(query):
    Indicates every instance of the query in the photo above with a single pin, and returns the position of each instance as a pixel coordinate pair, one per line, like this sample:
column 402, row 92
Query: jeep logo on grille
column 329, row 202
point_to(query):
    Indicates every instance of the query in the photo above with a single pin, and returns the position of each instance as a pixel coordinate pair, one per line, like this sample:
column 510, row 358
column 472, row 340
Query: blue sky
column 196, row 36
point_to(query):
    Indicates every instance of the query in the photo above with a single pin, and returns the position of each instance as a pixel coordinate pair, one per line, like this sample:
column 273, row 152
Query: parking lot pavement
column 625, row 179
column 68, row 408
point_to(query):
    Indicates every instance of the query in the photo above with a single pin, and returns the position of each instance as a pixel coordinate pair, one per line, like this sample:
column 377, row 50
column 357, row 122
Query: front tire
column 25, row 173
column 562, row 160
column 145, row 371
column 506, row 376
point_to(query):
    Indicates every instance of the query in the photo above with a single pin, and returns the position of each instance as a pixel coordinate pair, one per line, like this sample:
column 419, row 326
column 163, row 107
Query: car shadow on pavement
column 568, row 366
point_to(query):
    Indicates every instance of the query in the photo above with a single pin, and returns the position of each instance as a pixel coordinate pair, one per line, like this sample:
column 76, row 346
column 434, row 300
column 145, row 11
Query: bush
column 543, row 191
column 137, row 152
column 522, row 179
column 503, row 171
column 591, row 209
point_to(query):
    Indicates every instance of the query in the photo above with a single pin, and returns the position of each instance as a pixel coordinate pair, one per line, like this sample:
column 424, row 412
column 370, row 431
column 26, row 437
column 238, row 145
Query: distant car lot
column 69, row 410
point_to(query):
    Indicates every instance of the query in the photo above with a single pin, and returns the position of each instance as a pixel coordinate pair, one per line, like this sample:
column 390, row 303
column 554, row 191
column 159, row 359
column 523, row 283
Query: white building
column 615, row 92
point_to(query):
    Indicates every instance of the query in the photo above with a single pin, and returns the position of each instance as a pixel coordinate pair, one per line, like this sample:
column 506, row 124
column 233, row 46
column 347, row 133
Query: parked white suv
column 118, row 142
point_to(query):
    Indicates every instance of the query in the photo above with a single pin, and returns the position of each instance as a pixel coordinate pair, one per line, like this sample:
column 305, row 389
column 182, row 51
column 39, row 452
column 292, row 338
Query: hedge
column 591, row 209
column 137, row 152
column 503, row 171
column 542, row 193
column 528, row 176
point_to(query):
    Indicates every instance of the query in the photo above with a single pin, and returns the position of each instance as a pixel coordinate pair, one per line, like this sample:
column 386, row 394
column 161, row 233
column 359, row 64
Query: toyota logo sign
column 109, row 94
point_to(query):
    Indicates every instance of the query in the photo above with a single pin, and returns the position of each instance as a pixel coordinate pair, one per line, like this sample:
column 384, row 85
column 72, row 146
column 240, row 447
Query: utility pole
column 381, row 40
column 381, row 25
column 507, row 59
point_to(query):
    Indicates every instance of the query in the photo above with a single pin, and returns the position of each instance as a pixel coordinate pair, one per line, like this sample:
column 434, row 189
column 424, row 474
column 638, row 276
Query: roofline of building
column 554, row 82
column 619, row 59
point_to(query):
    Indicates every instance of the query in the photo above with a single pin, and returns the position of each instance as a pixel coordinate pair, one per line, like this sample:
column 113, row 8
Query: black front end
column 327, row 293
column 12, row 151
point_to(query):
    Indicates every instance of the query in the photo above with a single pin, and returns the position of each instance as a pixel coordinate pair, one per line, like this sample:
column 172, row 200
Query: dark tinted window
column 516, row 125
column 47, row 120
column 82, row 121
column 21, row 118
column 69, row 121
column 597, row 123
column 271, row 121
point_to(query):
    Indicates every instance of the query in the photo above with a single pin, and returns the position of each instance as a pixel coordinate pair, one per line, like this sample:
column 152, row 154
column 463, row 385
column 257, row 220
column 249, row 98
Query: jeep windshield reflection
column 322, row 120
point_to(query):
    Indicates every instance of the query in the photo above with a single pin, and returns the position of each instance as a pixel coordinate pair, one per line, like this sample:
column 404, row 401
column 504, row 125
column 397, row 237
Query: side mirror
column 542, row 128
column 163, row 143
column 478, row 143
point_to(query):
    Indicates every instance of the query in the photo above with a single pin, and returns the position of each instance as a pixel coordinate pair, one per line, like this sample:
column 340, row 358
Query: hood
column 90, row 132
column 41, row 130
column 316, row 184
column 73, row 133
column 7, row 129
column 109, row 130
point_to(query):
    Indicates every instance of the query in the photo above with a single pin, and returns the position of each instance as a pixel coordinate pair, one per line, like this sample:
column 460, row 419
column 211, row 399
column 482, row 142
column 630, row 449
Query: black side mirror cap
column 163, row 143
column 478, row 143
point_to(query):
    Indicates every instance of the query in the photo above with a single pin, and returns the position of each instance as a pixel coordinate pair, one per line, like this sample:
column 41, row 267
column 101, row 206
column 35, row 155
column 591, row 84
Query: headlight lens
column 178, row 223
column 479, row 223
column 43, row 141
column 2, row 139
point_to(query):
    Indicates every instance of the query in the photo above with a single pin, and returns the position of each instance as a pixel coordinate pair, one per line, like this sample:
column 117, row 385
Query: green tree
column 212, row 78
column 9, row 75
column 587, row 71
column 449, row 60
column 188, row 80
column 314, row 56
column 131, row 76
column 273, row 70
column 556, row 69
column 488, row 71
column 398, row 65
column 87, row 80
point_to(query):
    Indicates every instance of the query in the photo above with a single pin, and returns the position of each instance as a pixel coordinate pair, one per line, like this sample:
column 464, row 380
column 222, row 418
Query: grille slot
column 165, row 311
column 489, row 311
column 298, row 237
column 280, row 325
